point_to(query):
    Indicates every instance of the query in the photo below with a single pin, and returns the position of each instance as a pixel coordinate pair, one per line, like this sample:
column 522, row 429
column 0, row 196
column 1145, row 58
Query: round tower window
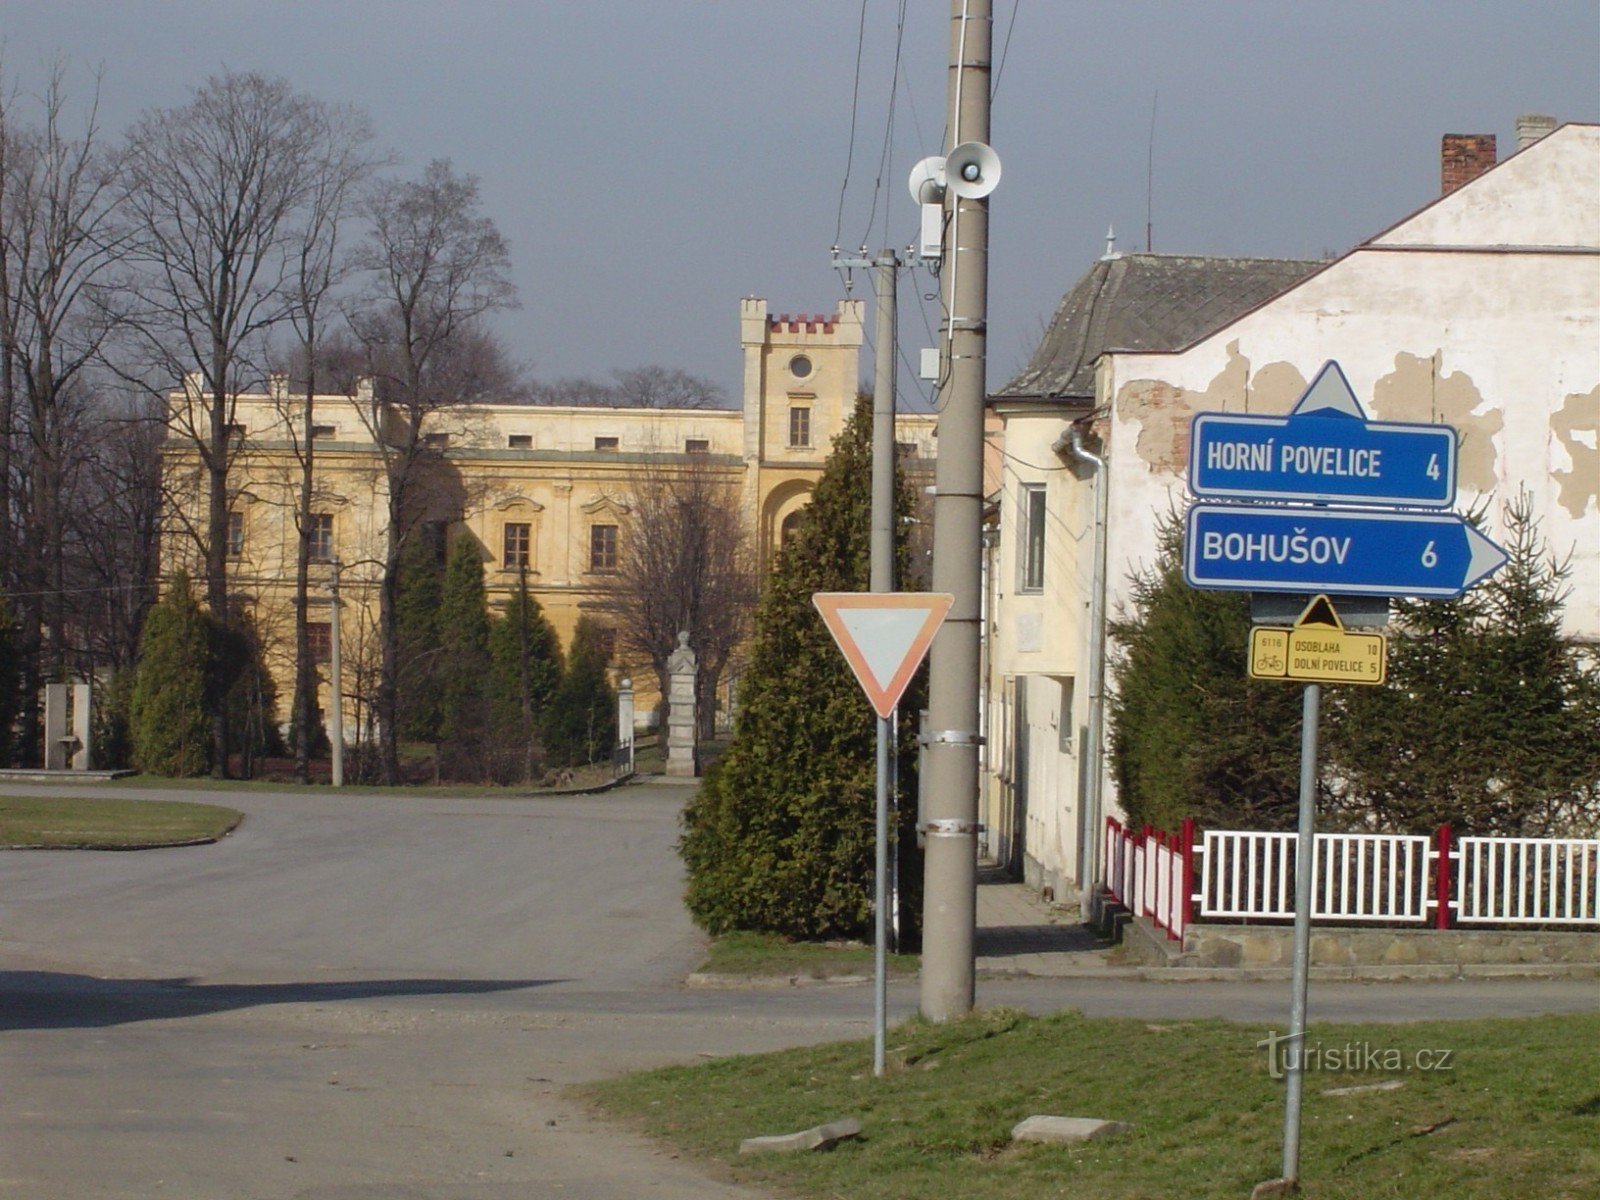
column 800, row 366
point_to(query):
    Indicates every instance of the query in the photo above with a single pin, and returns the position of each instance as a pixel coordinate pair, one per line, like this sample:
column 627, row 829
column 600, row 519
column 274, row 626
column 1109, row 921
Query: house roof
column 1145, row 302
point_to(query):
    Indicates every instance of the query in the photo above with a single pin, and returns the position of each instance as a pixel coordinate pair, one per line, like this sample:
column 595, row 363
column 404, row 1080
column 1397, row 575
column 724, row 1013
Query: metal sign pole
column 880, row 966
column 1305, row 871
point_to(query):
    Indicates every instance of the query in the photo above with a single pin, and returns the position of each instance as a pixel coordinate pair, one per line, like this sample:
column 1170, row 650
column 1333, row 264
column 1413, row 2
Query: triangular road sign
column 884, row 636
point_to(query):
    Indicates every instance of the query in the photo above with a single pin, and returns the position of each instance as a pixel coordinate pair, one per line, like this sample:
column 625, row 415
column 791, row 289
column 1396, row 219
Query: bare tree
column 215, row 194
column 635, row 387
column 436, row 266
column 56, row 246
column 113, row 528
column 667, row 387
column 685, row 565
column 319, row 264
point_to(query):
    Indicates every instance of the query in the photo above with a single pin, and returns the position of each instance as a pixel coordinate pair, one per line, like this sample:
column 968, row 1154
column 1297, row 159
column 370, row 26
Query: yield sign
column 884, row 636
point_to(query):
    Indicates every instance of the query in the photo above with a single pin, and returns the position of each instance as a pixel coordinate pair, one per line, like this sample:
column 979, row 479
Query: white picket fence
column 1527, row 881
column 1360, row 877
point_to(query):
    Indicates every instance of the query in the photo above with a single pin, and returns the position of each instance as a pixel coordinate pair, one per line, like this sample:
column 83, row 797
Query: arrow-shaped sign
column 884, row 636
column 1245, row 547
column 1324, row 450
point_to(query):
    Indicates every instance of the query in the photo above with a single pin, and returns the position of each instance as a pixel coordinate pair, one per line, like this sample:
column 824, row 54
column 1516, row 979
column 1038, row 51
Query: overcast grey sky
column 653, row 162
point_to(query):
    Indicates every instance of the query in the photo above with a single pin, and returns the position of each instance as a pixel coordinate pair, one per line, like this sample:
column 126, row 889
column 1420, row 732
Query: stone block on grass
column 818, row 1137
column 1066, row 1131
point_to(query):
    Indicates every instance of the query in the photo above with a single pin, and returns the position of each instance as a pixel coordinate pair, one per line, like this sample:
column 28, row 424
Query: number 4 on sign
column 884, row 637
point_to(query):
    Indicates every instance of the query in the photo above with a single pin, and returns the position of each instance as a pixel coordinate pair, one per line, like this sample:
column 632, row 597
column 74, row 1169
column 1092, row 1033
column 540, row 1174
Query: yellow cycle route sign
column 1318, row 650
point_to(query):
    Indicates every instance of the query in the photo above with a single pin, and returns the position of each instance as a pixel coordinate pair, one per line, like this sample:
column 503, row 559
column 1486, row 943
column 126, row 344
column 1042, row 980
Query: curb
column 708, row 981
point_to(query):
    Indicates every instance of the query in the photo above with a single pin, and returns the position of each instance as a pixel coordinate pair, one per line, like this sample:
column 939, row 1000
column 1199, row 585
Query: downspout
column 1089, row 851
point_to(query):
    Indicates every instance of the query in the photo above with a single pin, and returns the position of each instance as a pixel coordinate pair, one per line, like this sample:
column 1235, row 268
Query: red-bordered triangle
column 884, row 636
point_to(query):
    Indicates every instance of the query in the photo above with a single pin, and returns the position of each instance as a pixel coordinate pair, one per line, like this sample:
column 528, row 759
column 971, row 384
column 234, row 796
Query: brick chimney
column 1533, row 126
column 1462, row 158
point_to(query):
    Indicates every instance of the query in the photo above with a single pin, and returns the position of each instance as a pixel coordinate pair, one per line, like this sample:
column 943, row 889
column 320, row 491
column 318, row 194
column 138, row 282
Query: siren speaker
column 927, row 181
column 972, row 170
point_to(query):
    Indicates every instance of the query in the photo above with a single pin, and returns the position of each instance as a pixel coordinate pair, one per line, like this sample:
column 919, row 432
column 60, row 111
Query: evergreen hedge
column 780, row 837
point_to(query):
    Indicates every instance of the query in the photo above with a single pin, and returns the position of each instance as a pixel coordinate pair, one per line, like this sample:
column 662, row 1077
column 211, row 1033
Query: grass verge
column 67, row 823
column 763, row 955
column 1516, row 1115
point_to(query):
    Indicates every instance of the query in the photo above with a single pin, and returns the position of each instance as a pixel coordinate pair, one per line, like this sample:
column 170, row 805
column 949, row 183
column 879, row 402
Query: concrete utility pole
column 884, row 268
column 950, row 866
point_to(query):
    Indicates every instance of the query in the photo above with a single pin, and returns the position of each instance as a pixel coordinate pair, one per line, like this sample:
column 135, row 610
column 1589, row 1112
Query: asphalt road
column 355, row 998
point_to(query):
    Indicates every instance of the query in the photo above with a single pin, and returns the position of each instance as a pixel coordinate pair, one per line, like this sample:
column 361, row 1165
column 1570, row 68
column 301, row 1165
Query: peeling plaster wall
column 1503, row 346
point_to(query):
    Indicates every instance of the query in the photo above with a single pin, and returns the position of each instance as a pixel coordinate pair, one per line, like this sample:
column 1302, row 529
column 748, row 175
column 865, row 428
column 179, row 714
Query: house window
column 436, row 441
column 605, row 443
column 324, row 431
column 321, row 531
column 605, row 639
column 520, row 441
column 602, row 547
column 800, row 366
column 236, row 535
column 234, row 433
column 800, row 427
column 518, row 544
column 697, row 446
column 319, row 640
column 1032, row 565
column 787, row 530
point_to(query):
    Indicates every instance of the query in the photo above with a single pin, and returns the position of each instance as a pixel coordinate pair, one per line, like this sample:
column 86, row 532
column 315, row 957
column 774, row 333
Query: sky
column 651, row 163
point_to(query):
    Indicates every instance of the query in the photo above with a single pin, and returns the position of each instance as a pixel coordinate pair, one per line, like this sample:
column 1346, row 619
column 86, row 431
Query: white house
column 1480, row 311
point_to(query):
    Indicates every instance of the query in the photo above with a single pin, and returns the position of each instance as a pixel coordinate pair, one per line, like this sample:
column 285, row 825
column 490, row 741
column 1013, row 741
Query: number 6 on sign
column 1430, row 556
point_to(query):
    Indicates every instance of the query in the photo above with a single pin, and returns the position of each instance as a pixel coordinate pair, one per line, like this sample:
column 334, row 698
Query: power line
column 1005, row 49
column 855, row 99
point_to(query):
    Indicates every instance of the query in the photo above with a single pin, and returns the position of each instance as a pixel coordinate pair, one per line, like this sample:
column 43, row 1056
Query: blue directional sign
column 1272, row 548
column 1324, row 450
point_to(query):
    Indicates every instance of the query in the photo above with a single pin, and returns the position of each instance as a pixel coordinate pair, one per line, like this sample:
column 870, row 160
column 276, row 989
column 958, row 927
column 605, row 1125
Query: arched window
column 787, row 530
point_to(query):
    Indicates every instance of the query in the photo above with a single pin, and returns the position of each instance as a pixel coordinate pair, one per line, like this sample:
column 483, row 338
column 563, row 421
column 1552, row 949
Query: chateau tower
column 801, row 375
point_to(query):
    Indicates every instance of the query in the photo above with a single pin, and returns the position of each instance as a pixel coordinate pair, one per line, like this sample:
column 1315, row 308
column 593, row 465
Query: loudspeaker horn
column 927, row 180
column 972, row 170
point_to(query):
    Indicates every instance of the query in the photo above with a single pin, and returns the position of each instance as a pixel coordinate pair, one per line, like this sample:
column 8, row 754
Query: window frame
column 234, row 548
column 800, row 422
column 320, row 535
column 319, row 641
column 604, row 545
column 1033, row 506
column 515, row 557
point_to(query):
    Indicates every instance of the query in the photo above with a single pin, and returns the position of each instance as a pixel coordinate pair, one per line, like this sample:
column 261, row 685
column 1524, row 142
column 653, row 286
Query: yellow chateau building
column 546, row 490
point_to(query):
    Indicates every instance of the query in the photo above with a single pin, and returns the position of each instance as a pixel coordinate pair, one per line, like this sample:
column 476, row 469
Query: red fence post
column 1186, row 906
column 1443, row 881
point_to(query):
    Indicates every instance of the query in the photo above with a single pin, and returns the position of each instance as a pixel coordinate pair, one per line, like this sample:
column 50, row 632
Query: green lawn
column 1517, row 1116
column 760, row 954
column 71, row 823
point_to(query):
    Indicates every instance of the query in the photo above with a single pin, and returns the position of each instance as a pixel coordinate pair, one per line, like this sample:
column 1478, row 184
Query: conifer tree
column 421, row 589
column 1191, row 734
column 581, row 719
column 463, row 665
column 524, row 672
column 1491, row 719
column 169, row 712
column 780, row 837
